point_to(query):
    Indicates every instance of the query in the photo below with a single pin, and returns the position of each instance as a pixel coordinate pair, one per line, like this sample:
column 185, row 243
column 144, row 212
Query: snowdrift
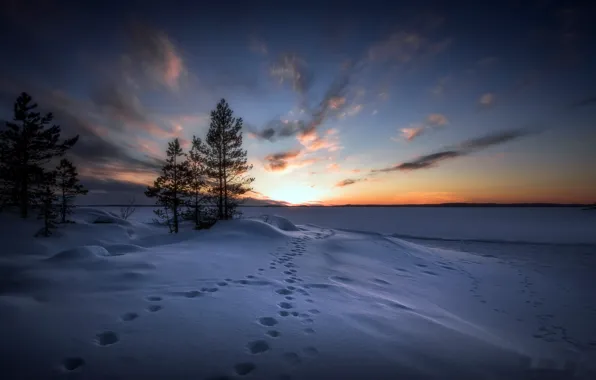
column 264, row 298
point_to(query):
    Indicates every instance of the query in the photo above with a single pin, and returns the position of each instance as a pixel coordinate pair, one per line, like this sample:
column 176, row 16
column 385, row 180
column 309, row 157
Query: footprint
column 289, row 298
column 284, row 313
column 273, row 333
column 258, row 347
column 250, row 276
column 268, row 321
column 308, row 320
column 291, row 287
column 228, row 279
column 106, row 338
column 310, row 351
column 154, row 298
column 285, row 305
column 71, row 364
column 310, row 301
column 309, row 331
column 192, row 294
column 314, row 311
column 341, row 279
column 210, row 290
column 261, row 269
column 284, row 291
column 129, row 316
column 154, row 308
column 429, row 272
column 292, row 358
column 243, row 369
column 288, row 272
column 294, row 313
column 422, row 265
column 289, row 281
column 223, row 283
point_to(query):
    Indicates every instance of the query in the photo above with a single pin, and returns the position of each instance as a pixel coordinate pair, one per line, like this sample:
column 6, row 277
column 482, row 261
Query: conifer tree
column 195, row 191
column 226, row 161
column 67, row 180
column 169, row 187
column 26, row 145
column 47, row 203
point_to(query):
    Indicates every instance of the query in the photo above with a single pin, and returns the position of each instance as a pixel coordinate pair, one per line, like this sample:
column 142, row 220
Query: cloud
column 441, row 85
column 464, row 148
column 313, row 142
column 349, row 181
column 334, row 167
column 154, row 52
column 258, row 46
column 285, row 161
column 119, row 102
column 403, row 47
column 487, row 99
column 590, row 101
column 433, row 121
column 436, row 119
column 293, row 69
column 413, row 132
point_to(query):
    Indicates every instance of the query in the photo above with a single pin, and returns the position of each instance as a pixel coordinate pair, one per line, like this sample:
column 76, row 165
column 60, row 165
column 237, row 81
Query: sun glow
column 296, row 194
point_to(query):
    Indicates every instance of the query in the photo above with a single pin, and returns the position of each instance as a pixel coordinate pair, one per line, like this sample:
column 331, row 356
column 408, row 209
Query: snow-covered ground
column 336, row 294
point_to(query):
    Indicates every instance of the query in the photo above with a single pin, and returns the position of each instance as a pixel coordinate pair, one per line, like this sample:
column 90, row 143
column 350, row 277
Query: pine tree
column 226, row 161
column 195, row 191
column 47, row 203
column 67, row 180
column 169, row 187
column 26, row 144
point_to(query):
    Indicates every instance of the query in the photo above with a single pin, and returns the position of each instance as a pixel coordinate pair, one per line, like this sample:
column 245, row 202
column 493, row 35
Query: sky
column 367, row 102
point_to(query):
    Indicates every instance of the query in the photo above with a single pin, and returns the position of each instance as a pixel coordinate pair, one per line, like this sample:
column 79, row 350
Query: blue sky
column 335, row 97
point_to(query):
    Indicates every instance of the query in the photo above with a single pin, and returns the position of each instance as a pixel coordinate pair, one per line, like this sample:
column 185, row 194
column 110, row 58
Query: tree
column 169, row 187
column 26, row 145
column 47, row 202
column 67, row 180
column 226, row 161
column 195, row 190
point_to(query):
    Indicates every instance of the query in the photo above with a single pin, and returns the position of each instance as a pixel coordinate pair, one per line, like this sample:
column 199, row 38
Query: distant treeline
column 589, row 206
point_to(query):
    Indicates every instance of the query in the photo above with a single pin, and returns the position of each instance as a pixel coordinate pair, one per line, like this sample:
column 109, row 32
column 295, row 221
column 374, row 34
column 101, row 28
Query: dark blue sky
column 342, row 102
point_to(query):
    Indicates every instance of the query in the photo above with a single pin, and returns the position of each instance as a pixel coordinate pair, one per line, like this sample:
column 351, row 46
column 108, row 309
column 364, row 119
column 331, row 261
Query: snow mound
column 279, row 222
column 248, row 228
column 84, row 253
column 121, row 249
column 98, row 216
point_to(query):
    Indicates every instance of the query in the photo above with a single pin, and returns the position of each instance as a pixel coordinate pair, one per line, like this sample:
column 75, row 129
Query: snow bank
column 264, row 298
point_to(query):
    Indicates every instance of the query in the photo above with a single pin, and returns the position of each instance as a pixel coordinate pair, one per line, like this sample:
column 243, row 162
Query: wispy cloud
column 257, row 45
column 293, row 69
column 433, row 121
column 157, row 56
column 285, row 161
column 487, row 99
column 589, row 101
column 464, row 148
column 349, row 181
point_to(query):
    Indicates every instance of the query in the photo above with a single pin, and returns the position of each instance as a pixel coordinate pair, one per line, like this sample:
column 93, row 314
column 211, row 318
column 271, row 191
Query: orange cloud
column 487, row 99
column 411, row 133
column 334, row 167
column 313, row 142
column 436, row 119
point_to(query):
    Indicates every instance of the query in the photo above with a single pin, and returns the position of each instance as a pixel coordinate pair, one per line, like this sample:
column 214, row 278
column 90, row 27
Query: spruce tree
column 47, row 203
column 26, row 145
column 169, row 188
column 195, row 191
column 67, row 180
column 226, row 161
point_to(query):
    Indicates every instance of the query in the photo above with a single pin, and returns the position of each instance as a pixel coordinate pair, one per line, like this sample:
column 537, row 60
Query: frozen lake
column 564, row 225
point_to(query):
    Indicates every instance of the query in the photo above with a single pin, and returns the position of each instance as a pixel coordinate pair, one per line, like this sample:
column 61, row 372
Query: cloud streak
column 464, row 148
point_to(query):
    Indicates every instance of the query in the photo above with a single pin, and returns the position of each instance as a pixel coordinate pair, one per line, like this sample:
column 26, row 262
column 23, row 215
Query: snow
column 265, row 298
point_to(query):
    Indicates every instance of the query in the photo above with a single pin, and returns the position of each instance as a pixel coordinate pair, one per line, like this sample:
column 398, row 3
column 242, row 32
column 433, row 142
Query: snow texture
column 263, row 298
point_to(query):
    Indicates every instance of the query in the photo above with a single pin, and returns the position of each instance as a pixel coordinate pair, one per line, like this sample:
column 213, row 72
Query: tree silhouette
column 67, row 180
column 226, row 161
column 47, row 203
column 195, row 190
column 169, row 187
column 26, row 145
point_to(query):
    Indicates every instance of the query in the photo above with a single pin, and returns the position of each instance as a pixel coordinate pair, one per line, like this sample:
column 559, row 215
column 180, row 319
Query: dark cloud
column 280, row 161
column 423, row 162
column 493, row 139
column 584, row 102
column 464, row 148
column 119, row 101
column 349, row 181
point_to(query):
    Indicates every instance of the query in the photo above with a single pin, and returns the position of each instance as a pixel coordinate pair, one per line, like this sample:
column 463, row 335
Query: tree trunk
column 24, row 195
column 220, row 175
column 63, row 203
